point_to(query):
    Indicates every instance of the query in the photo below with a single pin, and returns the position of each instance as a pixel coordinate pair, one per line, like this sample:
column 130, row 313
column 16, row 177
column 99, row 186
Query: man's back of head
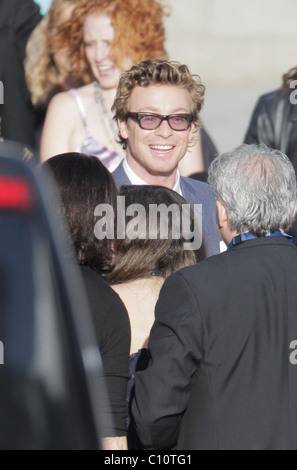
column 257, row 187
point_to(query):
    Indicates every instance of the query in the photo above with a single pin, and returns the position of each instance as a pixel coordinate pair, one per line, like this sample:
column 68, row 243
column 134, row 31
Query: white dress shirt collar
column 135, row 179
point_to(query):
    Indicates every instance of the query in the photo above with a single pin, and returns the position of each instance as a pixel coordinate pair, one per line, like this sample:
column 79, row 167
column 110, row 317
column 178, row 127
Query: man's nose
column 164, row 129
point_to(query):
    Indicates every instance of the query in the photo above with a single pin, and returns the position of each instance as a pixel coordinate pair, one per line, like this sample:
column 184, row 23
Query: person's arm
column 58, row 126
column 115, row 349
column 115, row 443
column 162, row 391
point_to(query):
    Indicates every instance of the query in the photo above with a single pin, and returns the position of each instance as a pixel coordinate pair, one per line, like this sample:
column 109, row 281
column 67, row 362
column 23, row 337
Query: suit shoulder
column 209, row 265
column 98, row 290
column 196, row 186
column 196, row 183
column 197, row 191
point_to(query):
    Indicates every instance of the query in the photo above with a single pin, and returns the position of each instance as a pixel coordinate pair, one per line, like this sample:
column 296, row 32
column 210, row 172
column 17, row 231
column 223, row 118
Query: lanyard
column 243, row 237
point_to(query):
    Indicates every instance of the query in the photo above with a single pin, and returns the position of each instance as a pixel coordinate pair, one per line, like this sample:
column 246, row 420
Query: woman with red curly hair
column 107, row 37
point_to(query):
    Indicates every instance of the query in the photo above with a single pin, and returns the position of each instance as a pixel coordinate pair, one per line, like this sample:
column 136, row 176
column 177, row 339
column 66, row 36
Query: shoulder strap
column 81, row 108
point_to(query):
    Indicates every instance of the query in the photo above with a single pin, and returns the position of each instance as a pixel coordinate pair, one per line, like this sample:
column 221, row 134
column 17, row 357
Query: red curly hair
column 139, row 32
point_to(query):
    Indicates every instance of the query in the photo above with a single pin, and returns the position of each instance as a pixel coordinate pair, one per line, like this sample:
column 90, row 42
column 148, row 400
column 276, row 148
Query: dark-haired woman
column 82, row 184
column 142, row 261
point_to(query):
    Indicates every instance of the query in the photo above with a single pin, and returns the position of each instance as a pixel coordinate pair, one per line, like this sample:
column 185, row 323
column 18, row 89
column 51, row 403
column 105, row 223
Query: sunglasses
column 150, row 121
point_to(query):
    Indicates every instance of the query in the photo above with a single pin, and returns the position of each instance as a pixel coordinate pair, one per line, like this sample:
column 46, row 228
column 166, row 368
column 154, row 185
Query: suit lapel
column 188, row 192
column 120, row 177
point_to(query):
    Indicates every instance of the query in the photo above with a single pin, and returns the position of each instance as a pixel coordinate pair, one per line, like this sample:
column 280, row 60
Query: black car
column 52, row 392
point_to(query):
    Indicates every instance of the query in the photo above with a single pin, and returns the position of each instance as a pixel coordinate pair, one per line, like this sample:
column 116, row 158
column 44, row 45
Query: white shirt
column 135, row 179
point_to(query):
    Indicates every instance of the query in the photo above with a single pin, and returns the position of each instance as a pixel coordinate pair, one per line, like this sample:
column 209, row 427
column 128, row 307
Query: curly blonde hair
column 139, row 32
column 42, row 75
column 157, row 72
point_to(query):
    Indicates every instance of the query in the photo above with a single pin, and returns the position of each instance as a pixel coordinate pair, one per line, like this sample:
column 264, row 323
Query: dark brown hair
column 142, row 257
column 83, row 182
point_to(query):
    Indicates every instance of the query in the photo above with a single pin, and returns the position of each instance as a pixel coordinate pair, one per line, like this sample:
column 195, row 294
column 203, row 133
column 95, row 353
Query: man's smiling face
column 156, row 153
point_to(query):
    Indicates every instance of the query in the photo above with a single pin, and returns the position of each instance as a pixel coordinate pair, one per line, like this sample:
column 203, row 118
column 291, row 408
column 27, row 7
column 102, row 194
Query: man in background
column 18, row 18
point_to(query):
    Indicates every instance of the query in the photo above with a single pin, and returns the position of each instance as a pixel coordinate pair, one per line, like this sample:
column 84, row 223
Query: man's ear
column 222, row 215
column 193, row 135
column 122, row 125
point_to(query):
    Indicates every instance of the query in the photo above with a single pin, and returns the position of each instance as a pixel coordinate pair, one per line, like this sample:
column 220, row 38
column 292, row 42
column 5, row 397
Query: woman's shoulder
column 62, row 100
column 84, row 93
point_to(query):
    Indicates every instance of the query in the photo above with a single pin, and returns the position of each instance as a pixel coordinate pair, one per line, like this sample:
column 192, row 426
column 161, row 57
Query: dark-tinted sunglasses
column 151, row 121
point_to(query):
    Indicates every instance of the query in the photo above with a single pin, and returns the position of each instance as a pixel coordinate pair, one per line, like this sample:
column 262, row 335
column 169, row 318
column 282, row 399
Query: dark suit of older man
column 221, row 376
column 223, row 369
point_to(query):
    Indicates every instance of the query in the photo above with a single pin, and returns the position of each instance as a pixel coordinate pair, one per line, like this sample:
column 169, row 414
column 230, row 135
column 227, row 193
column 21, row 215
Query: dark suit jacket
column 18, row 18
column 195, row 192
column 221, row 375
column 273, row 123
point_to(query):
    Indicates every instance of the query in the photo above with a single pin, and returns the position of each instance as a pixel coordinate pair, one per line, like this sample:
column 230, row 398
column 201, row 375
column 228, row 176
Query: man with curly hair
column 157, row 108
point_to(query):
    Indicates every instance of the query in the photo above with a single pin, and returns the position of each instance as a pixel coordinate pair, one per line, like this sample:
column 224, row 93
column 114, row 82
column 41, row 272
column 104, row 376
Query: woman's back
column 142, row 262
column 140, row 297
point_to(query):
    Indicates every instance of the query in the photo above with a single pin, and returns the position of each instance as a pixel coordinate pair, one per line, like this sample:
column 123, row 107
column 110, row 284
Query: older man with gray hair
column 223, row 369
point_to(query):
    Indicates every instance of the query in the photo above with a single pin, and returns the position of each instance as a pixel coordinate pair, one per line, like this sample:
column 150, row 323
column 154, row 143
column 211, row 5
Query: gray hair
column 257, row 185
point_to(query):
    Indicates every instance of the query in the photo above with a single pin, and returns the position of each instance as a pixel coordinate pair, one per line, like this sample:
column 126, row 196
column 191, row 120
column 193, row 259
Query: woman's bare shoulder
column 62, row 99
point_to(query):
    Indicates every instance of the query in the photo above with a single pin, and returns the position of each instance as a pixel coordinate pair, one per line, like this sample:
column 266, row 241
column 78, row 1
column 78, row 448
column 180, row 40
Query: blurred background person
column 141, row 266
column 107, row 37
column 273, row 121
column 17, row 21
column 82, row 183
column 47, row 62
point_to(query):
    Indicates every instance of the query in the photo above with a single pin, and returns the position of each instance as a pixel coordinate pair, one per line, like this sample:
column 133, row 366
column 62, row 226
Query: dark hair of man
column 143, row 257
column 83, row 182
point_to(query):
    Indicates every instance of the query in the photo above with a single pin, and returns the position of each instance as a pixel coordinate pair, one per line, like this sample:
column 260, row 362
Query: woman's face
column 98, row 35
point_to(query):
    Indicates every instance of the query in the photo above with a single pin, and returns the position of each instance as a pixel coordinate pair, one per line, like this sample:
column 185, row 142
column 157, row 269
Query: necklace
column 106, row 118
